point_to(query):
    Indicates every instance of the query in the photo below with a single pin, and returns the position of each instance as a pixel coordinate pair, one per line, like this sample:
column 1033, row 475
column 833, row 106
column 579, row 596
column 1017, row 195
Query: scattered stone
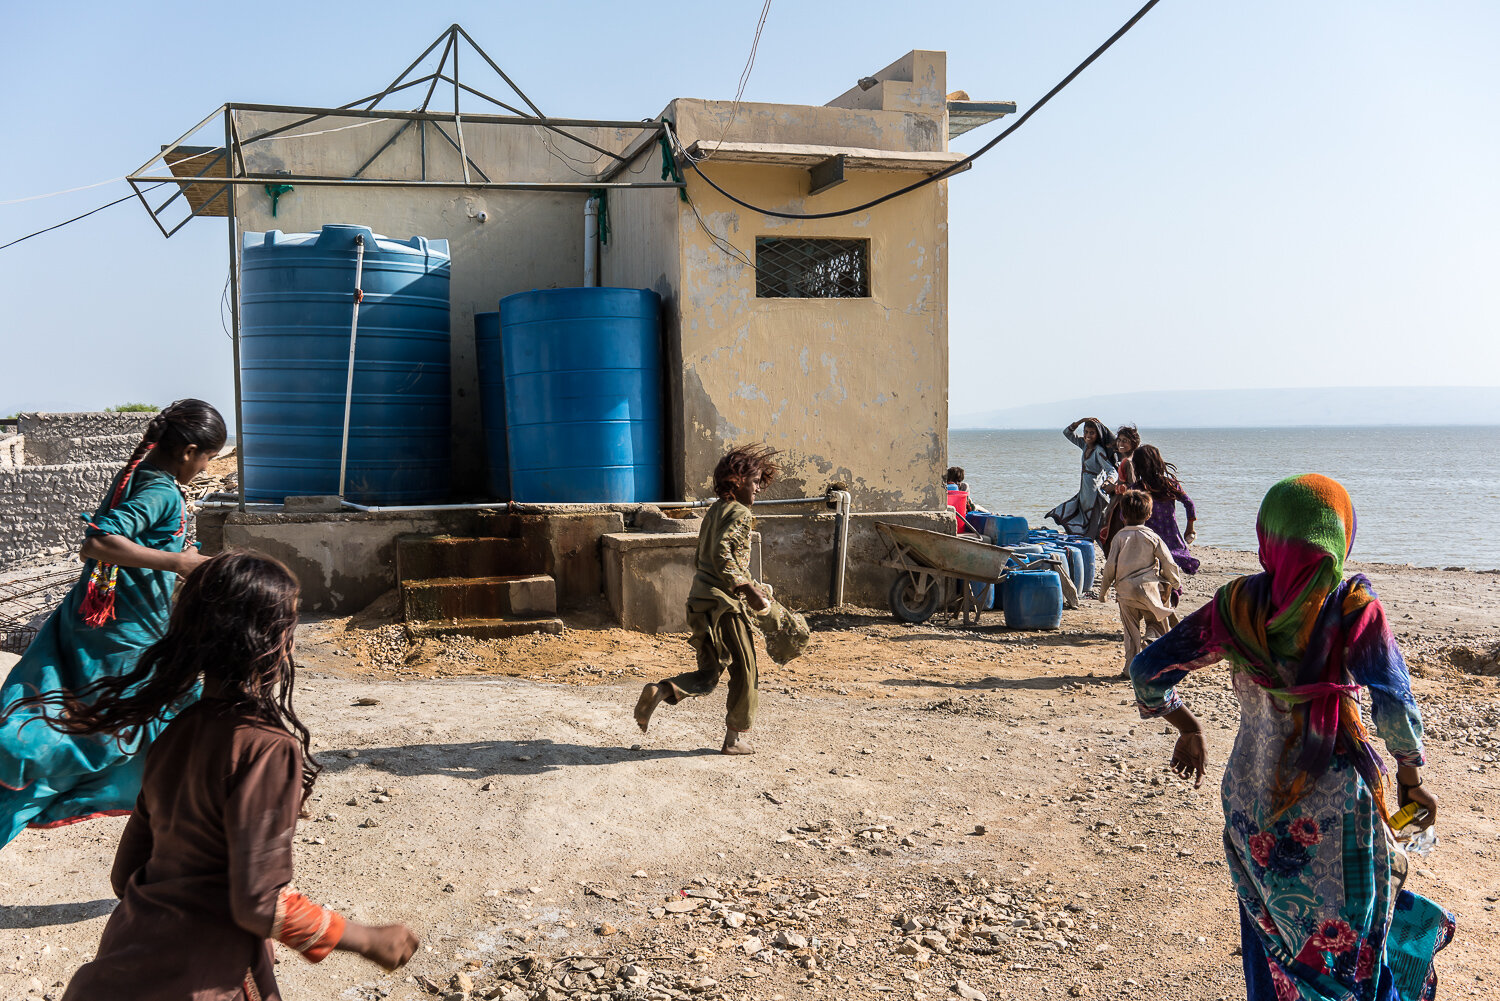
column 487, row 787
column 366, row 701
column 606, row 929
column 369, row 822
column 963, row 990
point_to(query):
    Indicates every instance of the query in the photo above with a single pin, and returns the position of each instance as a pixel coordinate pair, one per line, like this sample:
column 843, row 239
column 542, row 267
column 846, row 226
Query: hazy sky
column 1239, row 194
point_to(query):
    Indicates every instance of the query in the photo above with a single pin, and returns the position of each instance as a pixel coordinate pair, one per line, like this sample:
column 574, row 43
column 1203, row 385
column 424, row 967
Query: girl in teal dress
column 134, row 549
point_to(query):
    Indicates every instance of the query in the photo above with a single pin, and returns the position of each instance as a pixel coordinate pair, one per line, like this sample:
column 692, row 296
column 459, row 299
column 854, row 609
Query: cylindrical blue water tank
column 583, row 387
column 1033, row 599
column 297, row 300
column 1085, row 547
column 491, row 365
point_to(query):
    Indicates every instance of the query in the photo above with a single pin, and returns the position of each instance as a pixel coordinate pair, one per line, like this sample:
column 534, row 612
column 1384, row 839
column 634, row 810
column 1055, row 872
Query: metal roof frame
column 208, row 178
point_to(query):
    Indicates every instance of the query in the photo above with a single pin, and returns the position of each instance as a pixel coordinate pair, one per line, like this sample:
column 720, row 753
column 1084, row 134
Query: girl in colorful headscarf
column 1323, row 916
column 135, row 547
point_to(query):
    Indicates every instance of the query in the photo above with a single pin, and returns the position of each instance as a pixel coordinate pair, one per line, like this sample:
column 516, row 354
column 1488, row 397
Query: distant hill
column 1344, row 406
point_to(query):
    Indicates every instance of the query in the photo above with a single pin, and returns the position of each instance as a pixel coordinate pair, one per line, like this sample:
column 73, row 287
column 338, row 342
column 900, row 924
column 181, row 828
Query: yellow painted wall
column 853, row 390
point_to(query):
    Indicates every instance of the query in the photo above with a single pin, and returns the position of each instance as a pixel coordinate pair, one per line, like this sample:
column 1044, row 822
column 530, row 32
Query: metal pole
column 359, row 269
column 234, row 322
column 591, row 242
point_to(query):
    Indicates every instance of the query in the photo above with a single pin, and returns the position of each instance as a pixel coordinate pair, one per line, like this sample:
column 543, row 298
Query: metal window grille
column 811, row 269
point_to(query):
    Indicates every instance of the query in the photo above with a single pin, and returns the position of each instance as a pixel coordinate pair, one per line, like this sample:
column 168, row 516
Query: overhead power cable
column 947, row 171
column 734, row 112
column 65, row 222
column 65, row 191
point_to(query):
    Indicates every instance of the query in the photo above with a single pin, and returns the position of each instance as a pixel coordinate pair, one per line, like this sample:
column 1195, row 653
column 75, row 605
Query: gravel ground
column 933, row 813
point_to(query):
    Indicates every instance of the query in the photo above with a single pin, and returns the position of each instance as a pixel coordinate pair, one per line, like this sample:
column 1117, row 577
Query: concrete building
column 826, row 338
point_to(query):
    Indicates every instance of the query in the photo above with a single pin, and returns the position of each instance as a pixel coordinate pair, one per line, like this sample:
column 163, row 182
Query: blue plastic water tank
column 1032, row 599
column 1085, row 549
column 297, row 300
column 982, row 524
column 984, row 595
column 491, row 365
column 583, row 394
column 1073, row 560
column 1010, row 529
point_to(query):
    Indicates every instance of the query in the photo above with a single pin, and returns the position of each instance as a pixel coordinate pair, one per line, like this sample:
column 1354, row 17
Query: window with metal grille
column 811, row 269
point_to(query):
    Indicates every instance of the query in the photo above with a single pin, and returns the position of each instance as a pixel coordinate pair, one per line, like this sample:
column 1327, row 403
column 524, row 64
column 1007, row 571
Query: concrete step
column 423, row 557
column 484, row 629
column 442, row 598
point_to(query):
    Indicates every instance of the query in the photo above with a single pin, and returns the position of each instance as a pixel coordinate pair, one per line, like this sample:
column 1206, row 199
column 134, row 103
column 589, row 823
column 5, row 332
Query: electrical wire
column 85, row 215
column 224, row 304
column 563, row 158
column 322, row 132
column 65, row 191
column 721, row 242
column 952, row 168
column 734, row 112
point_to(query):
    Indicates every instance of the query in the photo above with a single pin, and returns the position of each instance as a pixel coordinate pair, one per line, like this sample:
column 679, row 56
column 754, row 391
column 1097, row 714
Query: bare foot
column 734, row 743
column 651, row 697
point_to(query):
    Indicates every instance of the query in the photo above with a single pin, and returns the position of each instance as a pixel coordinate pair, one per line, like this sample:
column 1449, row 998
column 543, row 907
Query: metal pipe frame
column 376, row 182
column 517, row 507
column 234, row 324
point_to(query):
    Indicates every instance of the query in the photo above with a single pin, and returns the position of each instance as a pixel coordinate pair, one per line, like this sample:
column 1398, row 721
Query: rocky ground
column 934, row 813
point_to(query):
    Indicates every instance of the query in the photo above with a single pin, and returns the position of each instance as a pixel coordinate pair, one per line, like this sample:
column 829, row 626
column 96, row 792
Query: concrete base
column 484, row 629
column 647, row 576
column 345, row 560
column 443, row 598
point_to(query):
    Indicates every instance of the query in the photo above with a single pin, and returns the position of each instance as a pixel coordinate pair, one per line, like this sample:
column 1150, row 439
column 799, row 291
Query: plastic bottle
column 1422, row 842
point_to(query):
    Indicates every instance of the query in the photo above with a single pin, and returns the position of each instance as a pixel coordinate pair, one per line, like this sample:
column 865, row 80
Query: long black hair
column 170, row 432
column 233, row 627
column 1153, row 473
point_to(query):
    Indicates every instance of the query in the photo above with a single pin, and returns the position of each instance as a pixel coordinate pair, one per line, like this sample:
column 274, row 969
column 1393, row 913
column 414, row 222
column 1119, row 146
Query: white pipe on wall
column 591, row 243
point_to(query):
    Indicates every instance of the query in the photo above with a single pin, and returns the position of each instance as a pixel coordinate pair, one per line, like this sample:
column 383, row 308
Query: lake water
column 1428, row 496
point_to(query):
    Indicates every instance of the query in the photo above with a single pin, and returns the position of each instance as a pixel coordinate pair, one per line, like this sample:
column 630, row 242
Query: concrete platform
column 484, row 629
column 445, row 598
column 420, row 557
column 647, row 576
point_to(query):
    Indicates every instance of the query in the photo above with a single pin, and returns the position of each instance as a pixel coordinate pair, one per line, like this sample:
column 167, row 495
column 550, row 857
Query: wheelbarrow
column 936, row 571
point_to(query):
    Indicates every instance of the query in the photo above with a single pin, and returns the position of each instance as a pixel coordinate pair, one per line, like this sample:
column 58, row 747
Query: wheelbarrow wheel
column 908, row 603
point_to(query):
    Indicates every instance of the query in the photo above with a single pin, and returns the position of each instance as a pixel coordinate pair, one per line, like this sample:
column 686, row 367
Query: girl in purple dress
column 1158, row 477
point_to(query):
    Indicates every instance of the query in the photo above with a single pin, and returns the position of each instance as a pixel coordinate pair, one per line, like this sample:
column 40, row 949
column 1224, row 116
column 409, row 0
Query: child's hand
column 754, row 597
column 1189, row 757
column 388, row 946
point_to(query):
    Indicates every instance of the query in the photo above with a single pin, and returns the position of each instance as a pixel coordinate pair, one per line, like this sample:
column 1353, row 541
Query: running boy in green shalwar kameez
column 722, row 600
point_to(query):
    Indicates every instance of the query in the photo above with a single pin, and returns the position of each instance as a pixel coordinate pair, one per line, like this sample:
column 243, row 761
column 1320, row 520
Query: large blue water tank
column 583, row 388
column 492, row 404
column 297, row 298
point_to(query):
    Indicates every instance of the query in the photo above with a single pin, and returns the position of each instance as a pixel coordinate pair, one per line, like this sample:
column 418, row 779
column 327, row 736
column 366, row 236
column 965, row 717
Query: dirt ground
column 933, row 813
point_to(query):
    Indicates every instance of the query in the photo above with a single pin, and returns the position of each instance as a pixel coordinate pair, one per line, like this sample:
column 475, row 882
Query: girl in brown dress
column 204, row 868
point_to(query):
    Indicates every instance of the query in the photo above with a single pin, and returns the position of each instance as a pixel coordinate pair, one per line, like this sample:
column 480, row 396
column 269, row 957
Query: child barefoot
column 204, row 868
column 722, row 600
column 1139, row 564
